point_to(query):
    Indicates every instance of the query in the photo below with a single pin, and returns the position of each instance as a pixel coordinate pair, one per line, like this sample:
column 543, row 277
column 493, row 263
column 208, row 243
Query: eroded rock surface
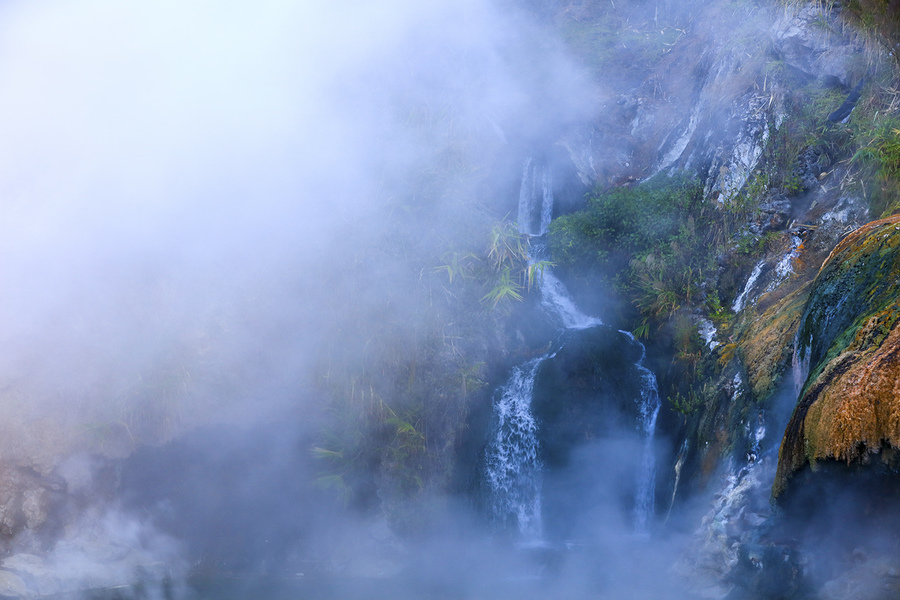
column 850, row 347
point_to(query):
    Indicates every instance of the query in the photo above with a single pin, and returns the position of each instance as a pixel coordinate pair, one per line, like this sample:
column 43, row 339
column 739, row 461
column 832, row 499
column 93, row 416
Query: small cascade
column 785, row 266
column 535, row 198
column 800, row 363
column 513, row 467
column 741, row 505
column 708, row 332
column 742, row 297
column 679, row 464
column 645, row 494
column 556, row 300
column 755, row 436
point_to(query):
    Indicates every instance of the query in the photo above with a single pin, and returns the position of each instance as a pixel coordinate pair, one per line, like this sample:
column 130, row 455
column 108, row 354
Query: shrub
column 657, row 235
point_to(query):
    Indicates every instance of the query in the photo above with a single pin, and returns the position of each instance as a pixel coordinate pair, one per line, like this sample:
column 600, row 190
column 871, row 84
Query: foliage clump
column 653, row 240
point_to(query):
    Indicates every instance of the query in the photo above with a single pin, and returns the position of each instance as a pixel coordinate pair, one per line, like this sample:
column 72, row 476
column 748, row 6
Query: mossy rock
column 767, row 343
column 850, row 403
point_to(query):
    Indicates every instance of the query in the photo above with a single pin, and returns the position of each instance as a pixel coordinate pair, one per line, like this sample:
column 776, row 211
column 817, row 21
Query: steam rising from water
column 190, row 193
column 191, row 180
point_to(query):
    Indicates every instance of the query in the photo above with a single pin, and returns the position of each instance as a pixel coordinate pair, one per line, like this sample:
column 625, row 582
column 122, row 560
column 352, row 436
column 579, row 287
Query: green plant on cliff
column 509, row 270
column 879, row 161
column 653, row 240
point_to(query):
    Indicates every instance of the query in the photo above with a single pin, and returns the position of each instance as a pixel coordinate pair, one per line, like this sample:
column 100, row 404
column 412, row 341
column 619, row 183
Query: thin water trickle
column 546, row 200
column 742, row 297
column 526, row 198
column 535, row 198
column 645, row 494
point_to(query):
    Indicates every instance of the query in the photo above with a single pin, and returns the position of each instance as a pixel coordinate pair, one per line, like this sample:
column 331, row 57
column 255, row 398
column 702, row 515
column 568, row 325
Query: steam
column 183, row 179
column 190, row 192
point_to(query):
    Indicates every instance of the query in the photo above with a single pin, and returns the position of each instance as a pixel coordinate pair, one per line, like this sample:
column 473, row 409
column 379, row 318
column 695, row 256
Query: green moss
column 654, row 239
column 847, row 294
column 766, row 344
column 851, row 312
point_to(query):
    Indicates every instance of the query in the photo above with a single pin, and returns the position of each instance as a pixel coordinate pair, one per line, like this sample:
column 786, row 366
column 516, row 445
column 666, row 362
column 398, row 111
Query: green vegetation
column 869, row 141
column 396, row 392
column 654, row 240
column 508, row 269
column 878, row 160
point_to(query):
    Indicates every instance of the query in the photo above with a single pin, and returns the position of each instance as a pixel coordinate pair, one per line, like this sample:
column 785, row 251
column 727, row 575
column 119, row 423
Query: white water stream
column 645, row 494
column 513, row 466
column 535, row 198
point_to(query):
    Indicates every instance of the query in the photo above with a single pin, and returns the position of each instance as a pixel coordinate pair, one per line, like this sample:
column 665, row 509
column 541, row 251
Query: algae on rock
column 850, row 403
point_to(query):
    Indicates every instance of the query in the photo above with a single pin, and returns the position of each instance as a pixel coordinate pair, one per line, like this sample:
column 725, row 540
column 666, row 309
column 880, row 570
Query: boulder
column 848, row 350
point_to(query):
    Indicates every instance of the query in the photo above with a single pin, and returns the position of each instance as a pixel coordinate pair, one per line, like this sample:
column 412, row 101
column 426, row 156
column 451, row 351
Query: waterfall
column 742, row 297
column 513, row 469
column 556, row 300
column 535, row 198
column 513, row 466
column 645, row 491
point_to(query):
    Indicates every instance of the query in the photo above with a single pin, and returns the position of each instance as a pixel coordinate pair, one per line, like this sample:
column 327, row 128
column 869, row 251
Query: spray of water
column 513, row 466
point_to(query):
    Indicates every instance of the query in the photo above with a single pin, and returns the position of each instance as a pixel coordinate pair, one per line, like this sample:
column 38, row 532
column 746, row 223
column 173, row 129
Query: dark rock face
column 587, row 390
column 586, row 400
column 811, row 165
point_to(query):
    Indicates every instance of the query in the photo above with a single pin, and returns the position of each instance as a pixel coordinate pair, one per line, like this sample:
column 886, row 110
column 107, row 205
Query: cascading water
column 513, row 466
column 556, row 300
column 535, row 198
column 644, row 499
column 742, row 297
column 742, row 503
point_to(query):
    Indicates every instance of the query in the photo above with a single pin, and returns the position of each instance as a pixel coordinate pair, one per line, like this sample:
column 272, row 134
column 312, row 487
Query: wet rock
column 850, row 345
column 811, row 163
column 586, row 390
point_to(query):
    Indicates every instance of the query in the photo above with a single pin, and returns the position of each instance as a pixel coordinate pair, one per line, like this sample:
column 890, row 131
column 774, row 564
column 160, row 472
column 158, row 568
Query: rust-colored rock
column 859, row 409
column 768, row 342
column 850, row 403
